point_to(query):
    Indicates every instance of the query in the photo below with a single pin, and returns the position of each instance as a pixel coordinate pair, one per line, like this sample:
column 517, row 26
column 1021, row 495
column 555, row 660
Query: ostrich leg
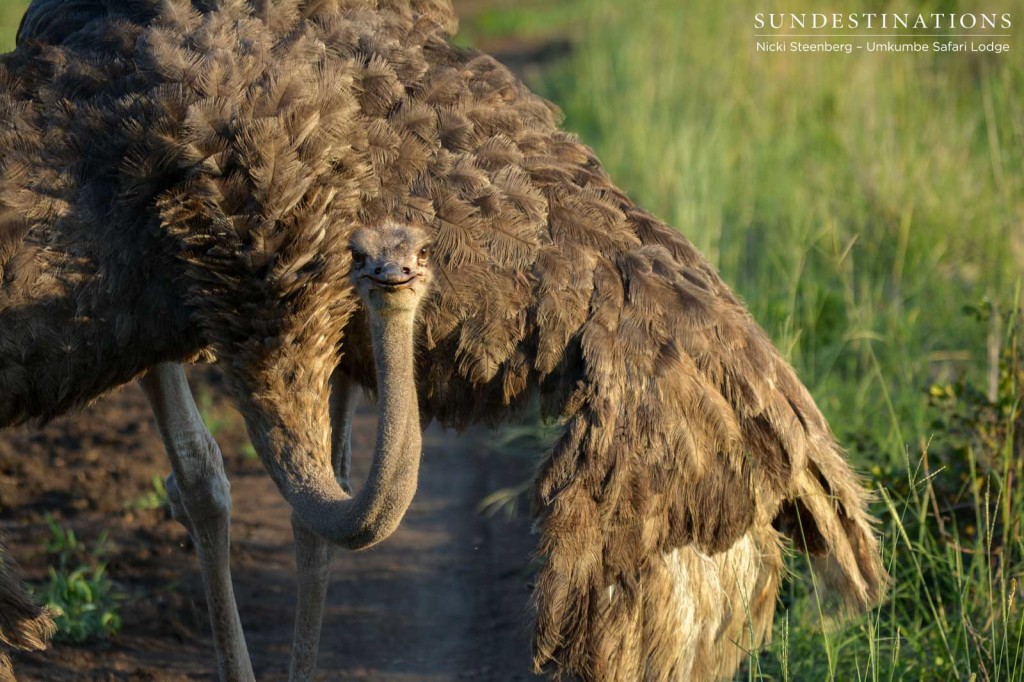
column 344, row 400
column 205, row 498
column 313, row 554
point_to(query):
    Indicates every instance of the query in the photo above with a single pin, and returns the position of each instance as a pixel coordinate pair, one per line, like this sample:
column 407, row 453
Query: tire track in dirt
column 445, row 597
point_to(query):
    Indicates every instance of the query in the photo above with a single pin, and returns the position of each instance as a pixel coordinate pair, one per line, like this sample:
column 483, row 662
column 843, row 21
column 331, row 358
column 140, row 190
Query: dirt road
column 445, row 598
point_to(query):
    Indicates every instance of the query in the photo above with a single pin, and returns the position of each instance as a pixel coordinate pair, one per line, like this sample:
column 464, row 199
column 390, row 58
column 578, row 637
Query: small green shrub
column 83, row 599
column 78, row 589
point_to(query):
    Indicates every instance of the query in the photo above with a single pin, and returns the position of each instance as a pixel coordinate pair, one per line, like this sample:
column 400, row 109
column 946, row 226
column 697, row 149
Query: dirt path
column 445, row 598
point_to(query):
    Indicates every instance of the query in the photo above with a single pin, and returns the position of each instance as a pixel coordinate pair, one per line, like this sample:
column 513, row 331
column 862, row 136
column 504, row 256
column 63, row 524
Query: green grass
column 10, row 17
column 857, row 203
column 211, row 414
column 535, row 19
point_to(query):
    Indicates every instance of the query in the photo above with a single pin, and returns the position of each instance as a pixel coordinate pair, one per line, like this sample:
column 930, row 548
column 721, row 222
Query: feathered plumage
column 24, row 624
column 195, row 173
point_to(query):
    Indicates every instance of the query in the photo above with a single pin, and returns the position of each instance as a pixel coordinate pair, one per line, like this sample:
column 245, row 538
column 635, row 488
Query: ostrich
column 181, row 180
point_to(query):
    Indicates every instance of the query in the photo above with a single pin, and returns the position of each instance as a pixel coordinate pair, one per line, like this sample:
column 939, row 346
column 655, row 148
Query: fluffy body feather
column 182, row 178
column 24, row 624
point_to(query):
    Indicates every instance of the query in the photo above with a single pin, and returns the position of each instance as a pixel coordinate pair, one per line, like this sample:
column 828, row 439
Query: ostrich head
column 391, row 266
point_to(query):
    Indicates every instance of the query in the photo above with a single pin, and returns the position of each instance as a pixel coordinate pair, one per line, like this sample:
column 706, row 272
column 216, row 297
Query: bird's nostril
column 377, row 271
column 407, row 271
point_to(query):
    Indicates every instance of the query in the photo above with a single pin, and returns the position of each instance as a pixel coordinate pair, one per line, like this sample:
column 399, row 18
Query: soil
column 445, row 598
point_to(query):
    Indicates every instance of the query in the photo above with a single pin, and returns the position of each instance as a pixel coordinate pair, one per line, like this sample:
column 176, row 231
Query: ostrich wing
column 684, row 426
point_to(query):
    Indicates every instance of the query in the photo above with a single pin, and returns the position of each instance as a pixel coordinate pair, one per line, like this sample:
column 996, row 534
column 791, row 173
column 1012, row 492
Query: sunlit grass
column 10, row 17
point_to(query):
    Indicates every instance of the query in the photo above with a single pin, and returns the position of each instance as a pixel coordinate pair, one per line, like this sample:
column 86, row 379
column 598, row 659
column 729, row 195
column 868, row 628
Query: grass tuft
column 154, row 498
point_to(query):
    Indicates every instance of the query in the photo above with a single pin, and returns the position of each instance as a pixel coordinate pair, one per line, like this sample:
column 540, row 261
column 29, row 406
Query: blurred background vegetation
column 10, row 16
column 870, row 210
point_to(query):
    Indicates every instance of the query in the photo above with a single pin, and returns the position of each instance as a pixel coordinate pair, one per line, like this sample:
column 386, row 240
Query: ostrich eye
column 424, row 253
column 358, row 258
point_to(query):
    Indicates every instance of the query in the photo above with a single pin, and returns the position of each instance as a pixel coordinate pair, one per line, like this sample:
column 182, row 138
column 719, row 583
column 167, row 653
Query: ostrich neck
column 375, row 512
column 393, row 475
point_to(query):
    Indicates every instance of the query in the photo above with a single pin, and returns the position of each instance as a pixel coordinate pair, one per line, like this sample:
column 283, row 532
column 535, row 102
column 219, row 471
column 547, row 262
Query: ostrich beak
column 391, row 276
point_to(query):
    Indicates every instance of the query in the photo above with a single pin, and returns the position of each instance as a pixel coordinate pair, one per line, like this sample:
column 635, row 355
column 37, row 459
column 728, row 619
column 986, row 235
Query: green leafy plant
column 78, row 588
